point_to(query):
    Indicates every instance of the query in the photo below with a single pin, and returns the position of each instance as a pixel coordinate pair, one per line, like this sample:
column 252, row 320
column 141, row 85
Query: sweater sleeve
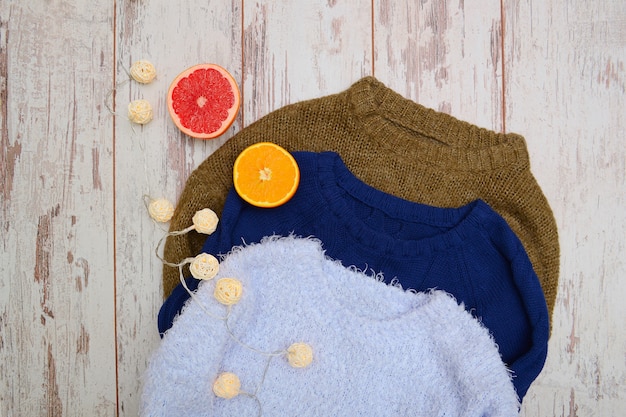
column 533, row 317
column 527, row 367
column 473, row 357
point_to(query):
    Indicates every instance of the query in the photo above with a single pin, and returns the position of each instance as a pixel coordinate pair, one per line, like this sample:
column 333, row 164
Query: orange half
column 266, row 175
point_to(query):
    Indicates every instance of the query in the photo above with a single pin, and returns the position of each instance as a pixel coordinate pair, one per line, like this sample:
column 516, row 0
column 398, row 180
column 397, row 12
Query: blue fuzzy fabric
column 469, row 252
column 377, row 350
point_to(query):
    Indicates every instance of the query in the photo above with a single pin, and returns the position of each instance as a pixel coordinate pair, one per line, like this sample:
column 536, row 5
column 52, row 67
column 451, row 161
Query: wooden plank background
column 79, row 282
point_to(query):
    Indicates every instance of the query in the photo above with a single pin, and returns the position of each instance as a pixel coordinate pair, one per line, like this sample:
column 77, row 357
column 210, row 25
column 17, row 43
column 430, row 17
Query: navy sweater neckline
column 337, row 184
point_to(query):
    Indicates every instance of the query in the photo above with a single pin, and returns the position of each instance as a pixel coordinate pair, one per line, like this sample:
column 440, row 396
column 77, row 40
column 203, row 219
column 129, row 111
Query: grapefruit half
column 203, row 101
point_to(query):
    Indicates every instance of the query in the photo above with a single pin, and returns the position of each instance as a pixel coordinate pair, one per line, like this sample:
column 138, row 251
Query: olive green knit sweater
column 399, row 147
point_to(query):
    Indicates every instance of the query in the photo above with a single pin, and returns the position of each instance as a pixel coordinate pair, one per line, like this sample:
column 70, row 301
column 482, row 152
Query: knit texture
column 469, row 252
column 377, row 350
column 396, row 146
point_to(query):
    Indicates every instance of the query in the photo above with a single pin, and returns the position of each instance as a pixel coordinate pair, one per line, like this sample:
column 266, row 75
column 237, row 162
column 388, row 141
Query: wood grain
column 56, row 303
column 154, row 160
column 445, row 55
column 295, row 51
column 566, row 93
column 79, row 280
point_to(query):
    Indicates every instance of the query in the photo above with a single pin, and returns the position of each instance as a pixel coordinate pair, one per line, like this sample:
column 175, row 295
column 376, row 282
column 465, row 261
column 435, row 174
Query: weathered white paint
column 446, row 55
column 77, row 251
column 155, row 159
column 57, row 306
column 295, row 51
column 566, row 86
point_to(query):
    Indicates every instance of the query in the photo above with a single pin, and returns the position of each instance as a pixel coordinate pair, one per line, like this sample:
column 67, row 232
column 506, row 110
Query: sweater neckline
column 413, row 132
column 337, row 184
column 353, row 294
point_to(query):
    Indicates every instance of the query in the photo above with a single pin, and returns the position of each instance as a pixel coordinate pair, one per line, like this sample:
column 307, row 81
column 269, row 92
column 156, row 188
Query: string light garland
column 139, row 111
column 205, row 221
column 161, row 210
column 143, row 71
column 204, row 266
column 299, row 355
column 227, row 385
column 228, row 291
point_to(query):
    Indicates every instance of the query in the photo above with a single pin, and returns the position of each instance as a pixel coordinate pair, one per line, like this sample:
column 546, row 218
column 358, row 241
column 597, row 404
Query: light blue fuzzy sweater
column 377, row 350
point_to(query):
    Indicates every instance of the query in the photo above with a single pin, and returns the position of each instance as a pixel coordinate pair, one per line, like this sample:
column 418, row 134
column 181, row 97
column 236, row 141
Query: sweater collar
column 416, row 133
column 338, row 185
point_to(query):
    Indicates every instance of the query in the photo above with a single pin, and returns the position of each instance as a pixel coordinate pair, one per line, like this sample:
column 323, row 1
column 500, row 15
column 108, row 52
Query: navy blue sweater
column 470, row 252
